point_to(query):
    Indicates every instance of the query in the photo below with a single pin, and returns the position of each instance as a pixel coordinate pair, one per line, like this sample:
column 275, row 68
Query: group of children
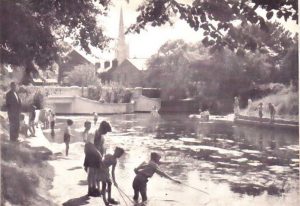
column 97, row 164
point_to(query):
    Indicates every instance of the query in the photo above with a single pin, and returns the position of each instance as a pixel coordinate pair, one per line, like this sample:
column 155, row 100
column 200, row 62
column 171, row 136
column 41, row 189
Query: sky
column 148, row 42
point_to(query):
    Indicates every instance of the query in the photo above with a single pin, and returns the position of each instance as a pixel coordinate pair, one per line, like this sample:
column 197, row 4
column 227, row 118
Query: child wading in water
column 67, row 135
column 95, row 118
column 145, row 171
column 109, row 160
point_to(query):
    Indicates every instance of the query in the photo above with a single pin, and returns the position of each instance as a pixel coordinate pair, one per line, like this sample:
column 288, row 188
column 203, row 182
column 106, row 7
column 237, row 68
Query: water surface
column 236, row 165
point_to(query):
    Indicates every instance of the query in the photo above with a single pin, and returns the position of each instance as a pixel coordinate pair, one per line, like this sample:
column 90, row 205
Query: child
column 67, row 135
column 145, row 171
column 86, row 134
column 109, row 160
column 99, row 140
column 52, row 122
column 32, row 115
column 95, row 118
column 92, row 163
column 260, row 111
column 24, row 128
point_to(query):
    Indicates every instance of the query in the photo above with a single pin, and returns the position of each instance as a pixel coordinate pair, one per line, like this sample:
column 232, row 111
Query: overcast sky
column 146, row 43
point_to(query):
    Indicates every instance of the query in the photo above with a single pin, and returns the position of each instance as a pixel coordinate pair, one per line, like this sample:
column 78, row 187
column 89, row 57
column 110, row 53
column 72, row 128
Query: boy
column 67, row 135
column 92, row 163
column 104, row 176
column 145, row 171
column 86, row 135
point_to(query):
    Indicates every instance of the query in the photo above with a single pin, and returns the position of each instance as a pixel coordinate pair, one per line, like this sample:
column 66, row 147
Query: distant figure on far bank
column 236, row 107
column 260, row 111
column 13, row 104
column 204, row 115
column 272, row 111
column 67, row 135
column 95, row 118
column 249, row 106
column 154, row 111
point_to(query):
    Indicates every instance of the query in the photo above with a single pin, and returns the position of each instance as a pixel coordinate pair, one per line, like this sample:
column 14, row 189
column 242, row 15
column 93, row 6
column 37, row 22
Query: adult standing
column 13, row 103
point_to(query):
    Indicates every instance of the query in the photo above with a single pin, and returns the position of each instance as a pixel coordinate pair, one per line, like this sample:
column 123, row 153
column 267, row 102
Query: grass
column 26, row 177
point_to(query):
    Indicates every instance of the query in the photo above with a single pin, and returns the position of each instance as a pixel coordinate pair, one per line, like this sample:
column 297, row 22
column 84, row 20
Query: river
column 235, row 165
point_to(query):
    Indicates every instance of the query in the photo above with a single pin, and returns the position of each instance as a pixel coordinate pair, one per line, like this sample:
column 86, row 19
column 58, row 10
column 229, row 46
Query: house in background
column 73, row 59
column 123, row 70
column 129, row 73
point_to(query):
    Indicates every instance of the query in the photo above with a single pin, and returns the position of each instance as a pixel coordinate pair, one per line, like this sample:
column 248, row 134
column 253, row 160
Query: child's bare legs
column 67, row 148
column 109, row 199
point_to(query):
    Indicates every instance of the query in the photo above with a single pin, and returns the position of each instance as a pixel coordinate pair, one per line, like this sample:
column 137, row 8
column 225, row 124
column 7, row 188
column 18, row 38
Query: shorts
column 67, row 138
column 103, row 174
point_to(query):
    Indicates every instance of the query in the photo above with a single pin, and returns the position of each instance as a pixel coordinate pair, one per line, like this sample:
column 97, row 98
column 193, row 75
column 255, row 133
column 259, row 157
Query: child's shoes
column 112, row 201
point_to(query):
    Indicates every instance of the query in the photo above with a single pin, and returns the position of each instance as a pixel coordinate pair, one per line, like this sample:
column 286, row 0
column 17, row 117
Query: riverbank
column 26, row 176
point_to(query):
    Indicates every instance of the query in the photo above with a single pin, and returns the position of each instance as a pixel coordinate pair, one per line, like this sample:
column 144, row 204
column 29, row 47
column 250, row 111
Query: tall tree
column 32, row 30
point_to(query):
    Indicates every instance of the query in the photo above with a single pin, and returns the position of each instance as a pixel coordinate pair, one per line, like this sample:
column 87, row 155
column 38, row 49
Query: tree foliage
column 83, row 76
column 217, row 18
column 182, row 70
column 32, row 30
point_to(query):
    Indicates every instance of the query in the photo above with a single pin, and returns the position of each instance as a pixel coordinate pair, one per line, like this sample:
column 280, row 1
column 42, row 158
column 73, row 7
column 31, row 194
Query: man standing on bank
column 13, row 103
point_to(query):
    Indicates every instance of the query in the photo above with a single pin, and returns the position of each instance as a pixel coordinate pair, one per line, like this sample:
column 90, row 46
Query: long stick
column 122, row 196
column 126, row 195
column 194, row 188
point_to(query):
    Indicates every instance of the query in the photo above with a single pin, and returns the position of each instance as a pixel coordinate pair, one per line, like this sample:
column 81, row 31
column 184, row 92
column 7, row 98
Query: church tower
column 122, row 51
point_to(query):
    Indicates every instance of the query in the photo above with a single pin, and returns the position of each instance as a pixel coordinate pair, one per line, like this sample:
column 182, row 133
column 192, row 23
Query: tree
column 32, row 30
column 217, row 18
column 83, row 76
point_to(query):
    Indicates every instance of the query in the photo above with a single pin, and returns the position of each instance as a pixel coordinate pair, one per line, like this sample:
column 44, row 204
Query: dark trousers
column 14, row 126
column 140, row 186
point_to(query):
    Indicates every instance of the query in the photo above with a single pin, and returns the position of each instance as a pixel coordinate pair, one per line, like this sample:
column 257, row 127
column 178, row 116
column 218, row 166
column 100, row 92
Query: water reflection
column 243, row 160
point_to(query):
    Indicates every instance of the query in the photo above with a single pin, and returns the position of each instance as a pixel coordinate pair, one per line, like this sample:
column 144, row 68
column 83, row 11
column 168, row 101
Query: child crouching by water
column 67, row 135
column 109, row 160
column 145, row 171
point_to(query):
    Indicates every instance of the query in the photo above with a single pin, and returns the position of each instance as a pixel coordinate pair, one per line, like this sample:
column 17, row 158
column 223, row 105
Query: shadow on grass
column 83, row 200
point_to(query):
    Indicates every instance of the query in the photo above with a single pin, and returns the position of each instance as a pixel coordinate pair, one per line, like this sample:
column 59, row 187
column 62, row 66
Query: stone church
column 123, row 70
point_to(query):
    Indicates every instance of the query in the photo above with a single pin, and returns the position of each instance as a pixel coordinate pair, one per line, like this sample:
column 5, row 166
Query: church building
column 123, row 70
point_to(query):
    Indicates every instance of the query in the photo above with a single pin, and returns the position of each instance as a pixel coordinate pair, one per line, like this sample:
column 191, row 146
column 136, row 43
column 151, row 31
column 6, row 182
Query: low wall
column 59, row 90
column 145, row 104
column 79, row 105
column 179, row 106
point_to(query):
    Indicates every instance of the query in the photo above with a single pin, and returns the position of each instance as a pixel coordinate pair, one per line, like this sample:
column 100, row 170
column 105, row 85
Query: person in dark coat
column 13, row 104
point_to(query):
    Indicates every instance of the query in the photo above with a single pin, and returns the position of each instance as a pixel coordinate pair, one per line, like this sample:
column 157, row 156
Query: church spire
column 122, row 49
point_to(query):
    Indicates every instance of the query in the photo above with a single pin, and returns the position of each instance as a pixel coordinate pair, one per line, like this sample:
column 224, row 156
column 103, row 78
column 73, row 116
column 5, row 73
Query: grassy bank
column 26, row 177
